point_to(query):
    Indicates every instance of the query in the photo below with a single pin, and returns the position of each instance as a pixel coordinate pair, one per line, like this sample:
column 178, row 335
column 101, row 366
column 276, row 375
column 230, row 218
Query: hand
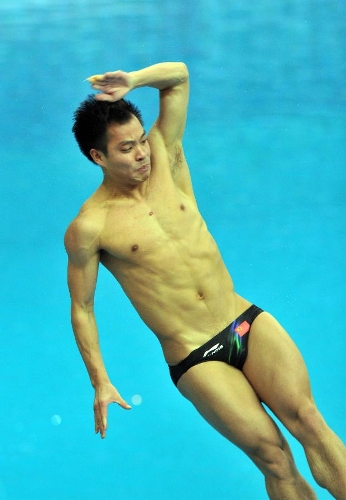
column 113, row 86
column 104, row 395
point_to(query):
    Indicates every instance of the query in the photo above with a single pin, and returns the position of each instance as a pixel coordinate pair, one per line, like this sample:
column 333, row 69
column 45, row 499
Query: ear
column 97, row 156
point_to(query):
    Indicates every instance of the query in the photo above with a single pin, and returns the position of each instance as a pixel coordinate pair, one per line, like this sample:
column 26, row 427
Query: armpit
column 177, row 159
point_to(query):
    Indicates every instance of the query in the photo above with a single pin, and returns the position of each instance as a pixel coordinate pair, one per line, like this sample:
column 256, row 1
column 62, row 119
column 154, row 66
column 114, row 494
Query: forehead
column 129, row 131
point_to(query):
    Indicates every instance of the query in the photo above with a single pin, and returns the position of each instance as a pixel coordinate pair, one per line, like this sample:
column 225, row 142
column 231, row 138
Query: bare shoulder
column 82, row 235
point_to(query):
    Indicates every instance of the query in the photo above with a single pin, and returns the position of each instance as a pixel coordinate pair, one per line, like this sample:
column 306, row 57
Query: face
column 128, row 154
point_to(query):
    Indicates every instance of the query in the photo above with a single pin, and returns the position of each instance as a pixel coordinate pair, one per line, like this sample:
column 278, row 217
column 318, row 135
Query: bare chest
column 146, row 228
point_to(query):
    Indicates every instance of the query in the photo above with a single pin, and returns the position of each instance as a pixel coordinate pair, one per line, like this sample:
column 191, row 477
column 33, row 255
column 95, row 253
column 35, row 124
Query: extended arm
column 82, row 275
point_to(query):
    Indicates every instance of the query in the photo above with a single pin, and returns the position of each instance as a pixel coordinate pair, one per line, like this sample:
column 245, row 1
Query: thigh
column 276, row 369
column 226, row 400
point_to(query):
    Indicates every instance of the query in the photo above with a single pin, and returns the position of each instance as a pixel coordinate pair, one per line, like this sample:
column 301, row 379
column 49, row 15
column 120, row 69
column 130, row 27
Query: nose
column 140, row 153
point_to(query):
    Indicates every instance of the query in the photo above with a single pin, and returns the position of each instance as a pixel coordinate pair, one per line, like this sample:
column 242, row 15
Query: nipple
column 182, row 207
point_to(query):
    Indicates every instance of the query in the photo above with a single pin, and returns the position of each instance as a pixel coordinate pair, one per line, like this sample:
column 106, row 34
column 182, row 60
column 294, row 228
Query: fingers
column 101, row 83
column 110, row 78
column 121, row 402
column 94, row 79
column 111, row 96
column 112, row 86
column 105, row 97
column 100, row 413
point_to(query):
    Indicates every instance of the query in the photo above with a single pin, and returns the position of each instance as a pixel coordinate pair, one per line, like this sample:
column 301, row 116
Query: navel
column 200, row 295
column 151, row 213
column 182, row 207
column 134, row 248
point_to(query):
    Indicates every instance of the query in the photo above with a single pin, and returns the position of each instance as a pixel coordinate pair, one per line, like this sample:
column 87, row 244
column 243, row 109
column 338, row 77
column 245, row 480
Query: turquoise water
column 266, row 145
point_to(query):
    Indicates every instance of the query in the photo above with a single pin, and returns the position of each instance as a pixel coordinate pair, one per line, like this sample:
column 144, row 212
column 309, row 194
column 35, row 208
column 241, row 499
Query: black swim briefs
column 229, row 346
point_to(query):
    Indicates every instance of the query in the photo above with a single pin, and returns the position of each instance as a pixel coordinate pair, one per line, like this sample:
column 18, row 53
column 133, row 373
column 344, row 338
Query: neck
column 115, row 189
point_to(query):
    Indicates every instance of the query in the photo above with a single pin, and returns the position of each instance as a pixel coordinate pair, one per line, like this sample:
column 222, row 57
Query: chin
column 146, row 174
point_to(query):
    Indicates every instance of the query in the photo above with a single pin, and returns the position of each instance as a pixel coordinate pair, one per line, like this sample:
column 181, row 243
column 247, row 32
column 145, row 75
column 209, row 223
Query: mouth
column 143, row 168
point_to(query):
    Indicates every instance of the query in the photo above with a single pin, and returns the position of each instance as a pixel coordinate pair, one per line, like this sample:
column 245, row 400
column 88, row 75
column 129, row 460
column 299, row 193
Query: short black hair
column 91, row 120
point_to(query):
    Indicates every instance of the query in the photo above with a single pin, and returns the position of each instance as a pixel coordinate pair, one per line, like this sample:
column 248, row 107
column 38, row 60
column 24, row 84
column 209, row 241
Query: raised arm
column 83, row 264
column 172, row 80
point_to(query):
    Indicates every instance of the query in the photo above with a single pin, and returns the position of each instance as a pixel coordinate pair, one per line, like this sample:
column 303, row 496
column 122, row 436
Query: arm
column 82, row 275
column 172, row 80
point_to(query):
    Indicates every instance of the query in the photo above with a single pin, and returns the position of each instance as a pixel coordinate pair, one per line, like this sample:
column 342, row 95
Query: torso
column 165, row 259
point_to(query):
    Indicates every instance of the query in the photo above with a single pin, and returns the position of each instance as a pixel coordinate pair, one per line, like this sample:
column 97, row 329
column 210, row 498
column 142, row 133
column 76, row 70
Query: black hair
column 91, row 120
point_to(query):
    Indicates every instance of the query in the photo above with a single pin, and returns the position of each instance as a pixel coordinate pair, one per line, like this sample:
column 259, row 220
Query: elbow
column 179, row 70
column 184, row 72
column 81, row 314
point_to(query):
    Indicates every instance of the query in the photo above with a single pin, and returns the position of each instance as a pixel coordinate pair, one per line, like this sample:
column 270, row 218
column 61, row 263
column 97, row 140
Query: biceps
column 82, row 283
column 173, row 110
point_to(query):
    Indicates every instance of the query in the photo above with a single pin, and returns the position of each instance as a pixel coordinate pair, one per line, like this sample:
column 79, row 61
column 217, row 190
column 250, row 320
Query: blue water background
column 265, row 141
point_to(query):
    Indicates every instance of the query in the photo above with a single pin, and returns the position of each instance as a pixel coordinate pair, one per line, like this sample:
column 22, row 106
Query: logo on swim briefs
column 213, row 350
column 243, row 328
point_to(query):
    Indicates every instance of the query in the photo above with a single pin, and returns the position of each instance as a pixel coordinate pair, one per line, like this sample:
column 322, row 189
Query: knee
column 309, row 423
column 273, row 459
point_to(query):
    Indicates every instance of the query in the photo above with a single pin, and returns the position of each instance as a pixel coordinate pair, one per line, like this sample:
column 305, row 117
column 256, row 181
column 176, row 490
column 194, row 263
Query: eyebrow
column 124, row 143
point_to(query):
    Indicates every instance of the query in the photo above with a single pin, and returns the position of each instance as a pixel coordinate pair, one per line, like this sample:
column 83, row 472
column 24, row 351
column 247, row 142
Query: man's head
column 93, row 118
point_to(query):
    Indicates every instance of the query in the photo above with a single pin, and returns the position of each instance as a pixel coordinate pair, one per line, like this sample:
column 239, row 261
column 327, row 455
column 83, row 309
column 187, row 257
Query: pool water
column 265, row 141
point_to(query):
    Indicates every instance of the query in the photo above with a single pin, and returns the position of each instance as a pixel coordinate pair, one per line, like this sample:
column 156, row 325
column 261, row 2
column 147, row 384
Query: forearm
column 160, row 76
column 86, row 335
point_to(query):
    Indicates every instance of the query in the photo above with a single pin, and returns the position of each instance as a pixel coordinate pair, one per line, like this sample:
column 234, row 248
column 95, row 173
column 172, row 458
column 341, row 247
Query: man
column 225, row 354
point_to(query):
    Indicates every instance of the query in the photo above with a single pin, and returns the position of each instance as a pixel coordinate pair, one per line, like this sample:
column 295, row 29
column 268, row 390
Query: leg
column 227, row 401
column 277, row 372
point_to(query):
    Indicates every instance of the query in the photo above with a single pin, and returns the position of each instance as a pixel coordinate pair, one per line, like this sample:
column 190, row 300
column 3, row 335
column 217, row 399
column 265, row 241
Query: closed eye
column 127, row 146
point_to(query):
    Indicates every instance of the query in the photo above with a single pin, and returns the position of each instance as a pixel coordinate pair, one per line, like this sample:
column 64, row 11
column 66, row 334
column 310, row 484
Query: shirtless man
column 143, row 225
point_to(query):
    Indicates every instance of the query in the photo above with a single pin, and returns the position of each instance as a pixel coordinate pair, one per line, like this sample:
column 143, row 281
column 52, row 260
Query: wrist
column 160, row 76
column 98, row 378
